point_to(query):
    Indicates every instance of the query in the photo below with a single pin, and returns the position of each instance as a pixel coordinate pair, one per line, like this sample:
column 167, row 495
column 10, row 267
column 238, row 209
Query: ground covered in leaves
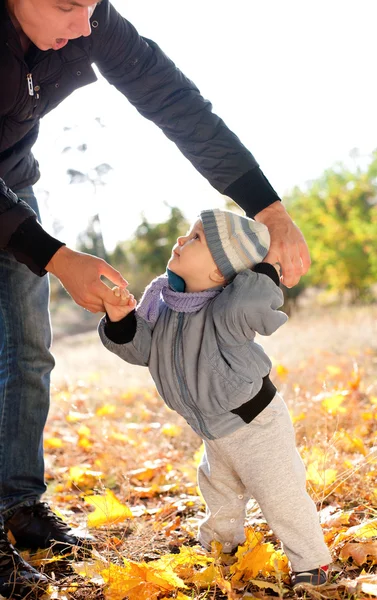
column 123, row 465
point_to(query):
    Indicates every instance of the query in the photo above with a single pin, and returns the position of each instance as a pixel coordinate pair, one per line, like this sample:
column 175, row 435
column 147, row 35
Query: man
column 47, row 48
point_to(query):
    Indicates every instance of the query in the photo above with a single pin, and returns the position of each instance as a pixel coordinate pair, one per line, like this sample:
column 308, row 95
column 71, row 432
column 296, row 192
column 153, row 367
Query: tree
column 91, row 240
column 146, row 255
column 152, row 243
column 338, row 217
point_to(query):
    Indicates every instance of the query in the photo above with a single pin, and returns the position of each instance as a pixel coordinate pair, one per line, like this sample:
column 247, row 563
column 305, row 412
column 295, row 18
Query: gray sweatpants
column 260, row 461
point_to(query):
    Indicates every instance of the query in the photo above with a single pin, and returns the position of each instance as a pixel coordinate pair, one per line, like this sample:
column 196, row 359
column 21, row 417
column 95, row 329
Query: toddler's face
column 192, row 260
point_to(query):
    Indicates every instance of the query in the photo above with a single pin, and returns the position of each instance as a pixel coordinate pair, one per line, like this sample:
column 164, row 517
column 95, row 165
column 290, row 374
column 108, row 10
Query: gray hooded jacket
column 206, row 365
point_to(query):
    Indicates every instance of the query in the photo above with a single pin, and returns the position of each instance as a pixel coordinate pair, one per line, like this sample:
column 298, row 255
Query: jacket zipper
column 180, row 377
column 31, row 88
column 30, row 84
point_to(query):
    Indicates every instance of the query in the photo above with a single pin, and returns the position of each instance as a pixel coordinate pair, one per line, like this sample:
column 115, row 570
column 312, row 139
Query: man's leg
column 25, row 366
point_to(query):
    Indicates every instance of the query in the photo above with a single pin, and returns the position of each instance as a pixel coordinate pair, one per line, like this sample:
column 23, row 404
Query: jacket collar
column 8, row 33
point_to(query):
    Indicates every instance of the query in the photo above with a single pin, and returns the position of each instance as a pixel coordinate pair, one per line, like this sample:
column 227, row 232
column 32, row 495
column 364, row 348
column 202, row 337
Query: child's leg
column 265, row 457
column 225, row 497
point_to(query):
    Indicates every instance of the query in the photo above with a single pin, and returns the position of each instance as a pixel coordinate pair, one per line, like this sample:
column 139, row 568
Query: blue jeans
column 25, row 367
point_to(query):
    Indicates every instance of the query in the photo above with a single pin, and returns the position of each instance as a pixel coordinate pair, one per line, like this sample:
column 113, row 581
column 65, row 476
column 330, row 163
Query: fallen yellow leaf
column 108, row 510
column 83, row 477
column 53, row 442
column 365, row 530
column 256, row 557
column 106, row 409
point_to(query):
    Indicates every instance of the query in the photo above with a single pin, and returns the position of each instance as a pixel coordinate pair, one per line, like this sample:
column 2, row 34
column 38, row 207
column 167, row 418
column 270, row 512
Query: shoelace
column 43, row 510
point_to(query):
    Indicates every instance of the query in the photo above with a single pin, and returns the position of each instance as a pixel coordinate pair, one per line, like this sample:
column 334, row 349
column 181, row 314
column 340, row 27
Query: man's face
column 52, row 23
column 192, row 260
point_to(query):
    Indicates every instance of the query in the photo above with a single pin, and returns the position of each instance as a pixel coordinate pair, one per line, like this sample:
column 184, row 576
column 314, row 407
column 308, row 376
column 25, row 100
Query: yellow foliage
column 206, row 576
column 333, row 404
column 281, row 371
column 141, row 581
column 83, row 477
column 53, row 442
column 151, row 470
column 185, row 563
column 179, row 596
column 198, row 456
column 171, row 430
column 105, row 410
column 84, row 431
column 349, row 442
column 368, row 415
column 121, row 437
column 256, row 557
column 333, row 370
column 85, row 443
column 318, row 476
column 365, row 530
column 74, row 416
column 108, row 510
column 297, row 418
column 266, row 585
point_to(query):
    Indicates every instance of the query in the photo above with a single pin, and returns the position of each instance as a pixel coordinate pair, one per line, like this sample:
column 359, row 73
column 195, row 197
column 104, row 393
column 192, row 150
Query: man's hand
column 127, row 303
column 81, row 273
column 288, row 246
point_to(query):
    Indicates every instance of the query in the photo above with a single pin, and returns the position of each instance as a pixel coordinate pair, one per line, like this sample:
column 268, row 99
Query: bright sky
column 294, row 79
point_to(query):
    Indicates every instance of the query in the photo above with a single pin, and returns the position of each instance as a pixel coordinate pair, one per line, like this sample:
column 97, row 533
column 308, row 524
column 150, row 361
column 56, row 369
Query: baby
column 194, row 328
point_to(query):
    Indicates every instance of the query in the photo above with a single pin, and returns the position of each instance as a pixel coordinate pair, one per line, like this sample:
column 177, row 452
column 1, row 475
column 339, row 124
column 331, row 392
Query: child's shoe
column 312, row 578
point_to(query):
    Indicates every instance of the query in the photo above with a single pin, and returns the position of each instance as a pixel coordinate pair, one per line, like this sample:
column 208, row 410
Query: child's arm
column 250, row 305
column 123, row 334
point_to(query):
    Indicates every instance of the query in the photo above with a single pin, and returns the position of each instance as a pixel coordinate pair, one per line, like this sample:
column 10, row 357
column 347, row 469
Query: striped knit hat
column 235, row 242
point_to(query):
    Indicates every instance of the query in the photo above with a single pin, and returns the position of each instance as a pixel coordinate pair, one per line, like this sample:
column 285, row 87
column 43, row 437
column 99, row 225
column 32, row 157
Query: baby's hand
column 124, row 303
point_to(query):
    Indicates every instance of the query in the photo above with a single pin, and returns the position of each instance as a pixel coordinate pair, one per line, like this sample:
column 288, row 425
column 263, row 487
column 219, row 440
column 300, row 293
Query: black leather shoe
column 17, row 578
column 37, row 526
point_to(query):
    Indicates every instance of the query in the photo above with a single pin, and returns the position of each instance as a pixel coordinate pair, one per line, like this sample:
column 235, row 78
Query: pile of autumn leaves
column 124, row 465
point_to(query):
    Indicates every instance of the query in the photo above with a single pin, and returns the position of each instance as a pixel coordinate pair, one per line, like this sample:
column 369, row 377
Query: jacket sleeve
column 141, row 71
column 135, row 352
column 22, row 235
column 247, row 306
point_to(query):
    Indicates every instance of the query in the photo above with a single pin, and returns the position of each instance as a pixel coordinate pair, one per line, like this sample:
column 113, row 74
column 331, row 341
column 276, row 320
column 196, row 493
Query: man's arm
column 21, row 234
column 287, row 246
column 80, row 274
column 161, row 93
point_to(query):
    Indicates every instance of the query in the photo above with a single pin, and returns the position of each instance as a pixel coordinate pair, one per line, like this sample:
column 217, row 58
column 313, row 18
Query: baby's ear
column 217, row 277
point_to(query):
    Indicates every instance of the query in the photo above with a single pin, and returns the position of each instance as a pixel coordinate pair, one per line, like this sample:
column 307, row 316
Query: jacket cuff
column 33, row 246
column 252, row 192
column 268, row 269
column 121, row 332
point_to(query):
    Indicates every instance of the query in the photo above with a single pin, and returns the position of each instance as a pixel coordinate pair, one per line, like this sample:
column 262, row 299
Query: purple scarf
column 158, row 291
